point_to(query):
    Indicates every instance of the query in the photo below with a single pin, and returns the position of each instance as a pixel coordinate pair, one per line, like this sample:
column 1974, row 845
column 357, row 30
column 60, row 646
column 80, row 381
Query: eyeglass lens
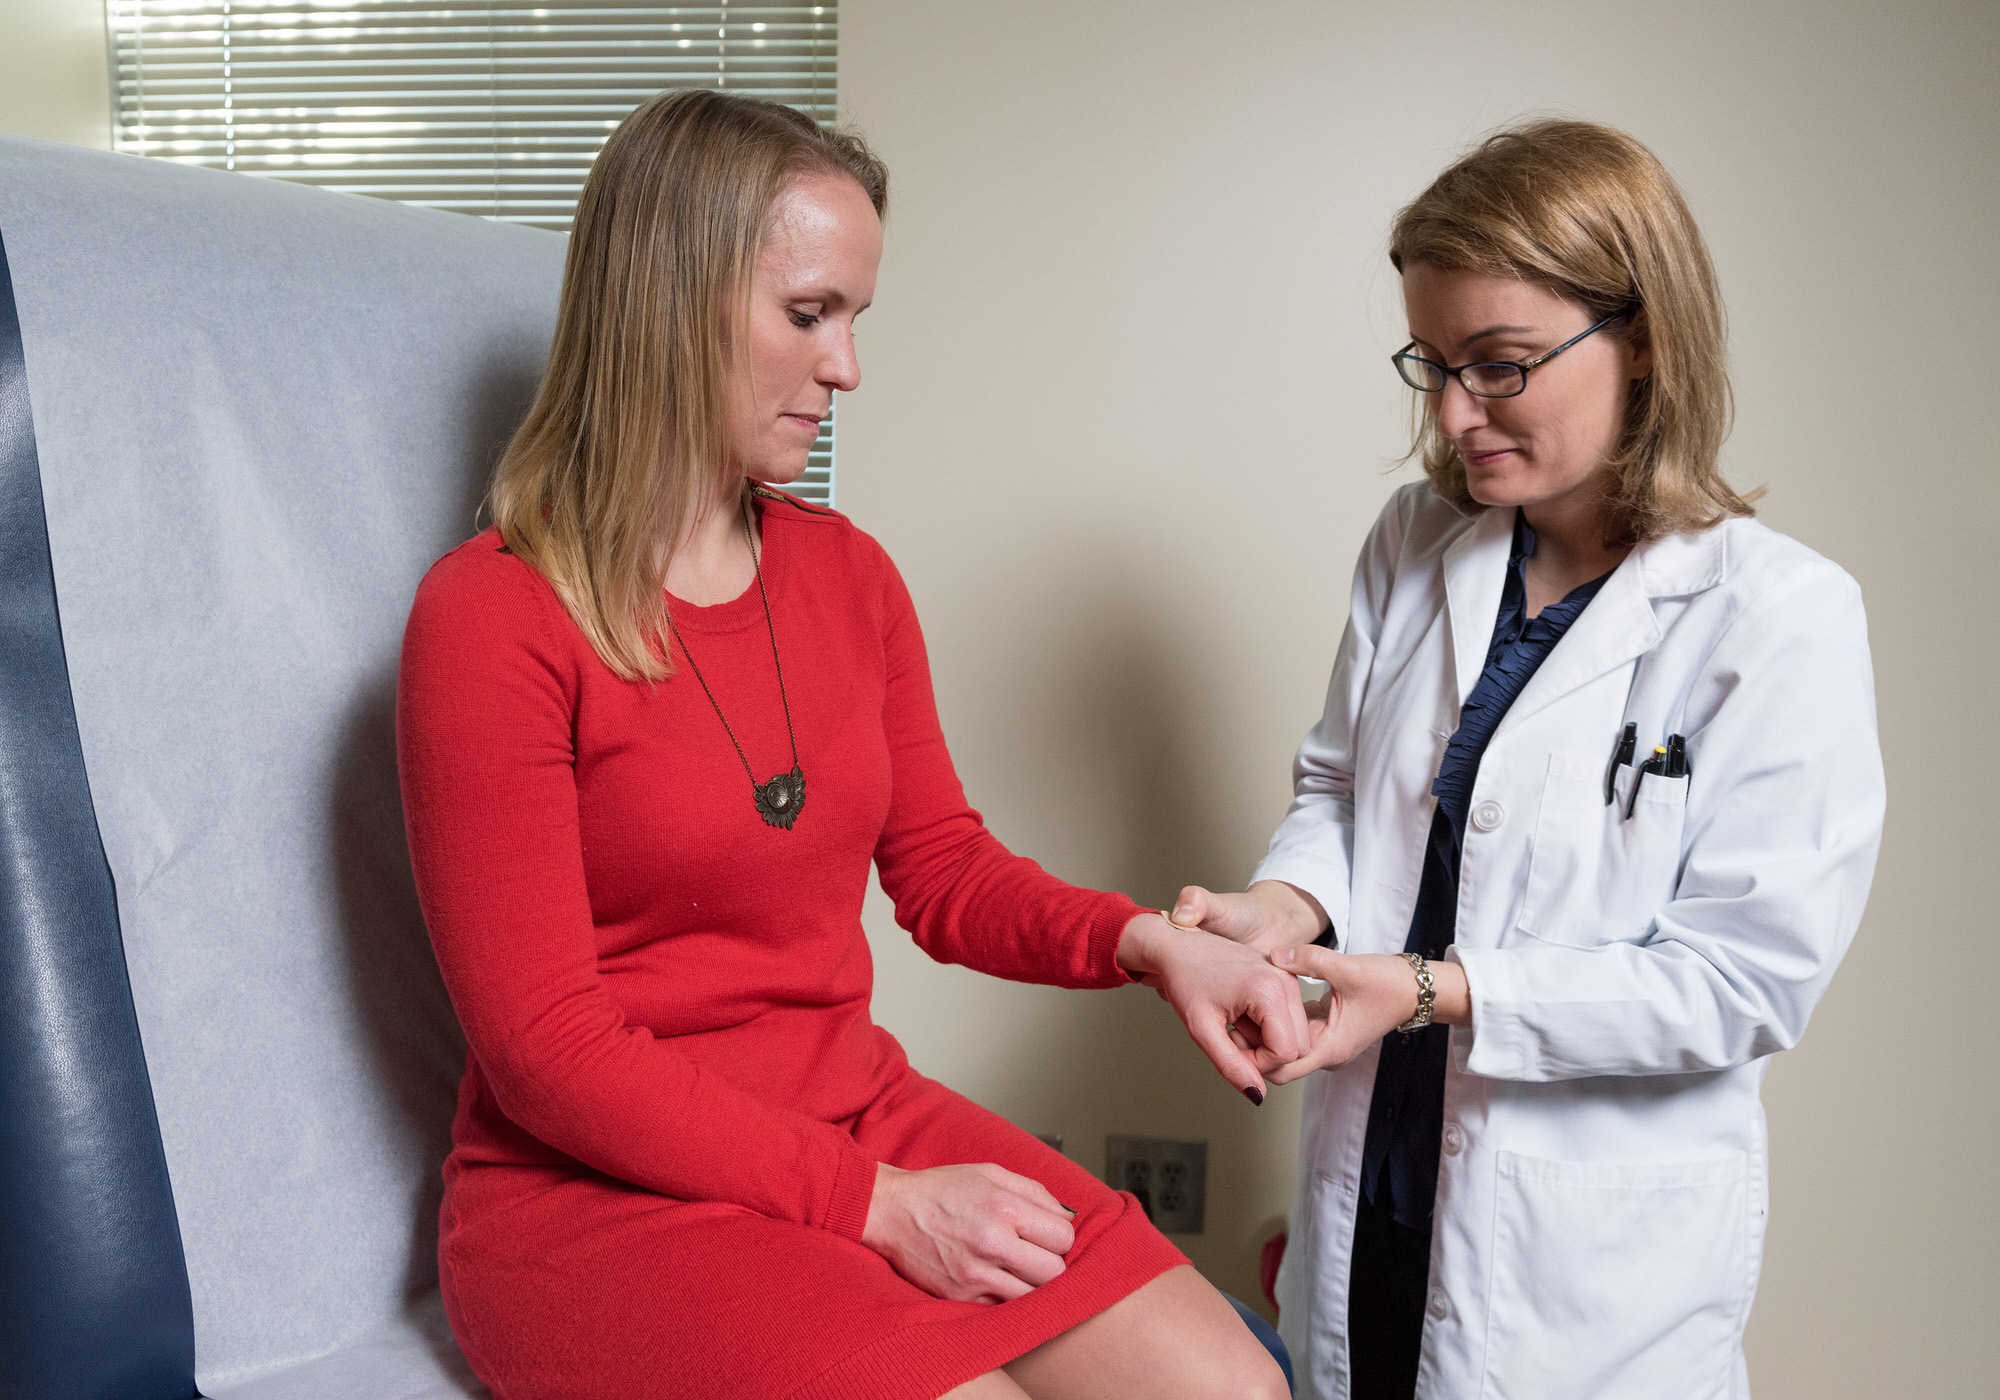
column 1420, row 373
column 1494, row 381
column 1490, row 380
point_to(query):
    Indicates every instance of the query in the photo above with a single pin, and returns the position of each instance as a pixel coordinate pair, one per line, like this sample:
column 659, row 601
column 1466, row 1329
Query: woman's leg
column 994, row 1385
column 1174, row 1339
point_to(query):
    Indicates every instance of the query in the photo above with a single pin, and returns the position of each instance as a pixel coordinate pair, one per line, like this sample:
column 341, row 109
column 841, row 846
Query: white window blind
column 492, row 109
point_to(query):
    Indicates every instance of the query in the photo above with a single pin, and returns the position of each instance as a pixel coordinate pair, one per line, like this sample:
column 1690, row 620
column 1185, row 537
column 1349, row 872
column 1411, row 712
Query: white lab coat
column 1602, row 1187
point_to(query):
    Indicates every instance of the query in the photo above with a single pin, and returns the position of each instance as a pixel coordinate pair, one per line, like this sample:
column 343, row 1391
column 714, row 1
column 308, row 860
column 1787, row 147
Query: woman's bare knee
column 994, row 1385
column 1174, row 1339
column 1253, row 1373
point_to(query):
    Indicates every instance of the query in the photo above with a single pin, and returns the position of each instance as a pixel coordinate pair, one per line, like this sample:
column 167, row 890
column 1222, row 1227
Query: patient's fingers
column 1030, row 1264
column 1035, row 1192
column 1046, row 1232
column 1291, row 1009
column 1212, row 1035
column 1328, row 1049
column 1001, row 1286
column 1368, row 995
column 1276, row 1009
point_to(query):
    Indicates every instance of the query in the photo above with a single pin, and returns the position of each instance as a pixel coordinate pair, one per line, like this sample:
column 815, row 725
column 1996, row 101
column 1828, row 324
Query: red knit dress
column 674, row 1096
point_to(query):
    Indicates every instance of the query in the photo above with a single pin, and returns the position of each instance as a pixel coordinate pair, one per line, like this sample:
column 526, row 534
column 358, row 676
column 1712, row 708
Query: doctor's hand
column 976, row 1233
column 1269, row 915
column 1245, row 1014
column 1368, row 995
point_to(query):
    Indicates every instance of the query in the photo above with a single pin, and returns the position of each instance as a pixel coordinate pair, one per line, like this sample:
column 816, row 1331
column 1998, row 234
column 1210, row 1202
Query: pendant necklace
column 780, row 800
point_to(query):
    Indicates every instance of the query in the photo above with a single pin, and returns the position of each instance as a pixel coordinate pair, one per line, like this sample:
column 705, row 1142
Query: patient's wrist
column 888, row 1185
column 1139, row 949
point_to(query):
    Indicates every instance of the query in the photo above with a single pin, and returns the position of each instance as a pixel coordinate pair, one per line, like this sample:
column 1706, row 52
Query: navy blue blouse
column 1406, row 1117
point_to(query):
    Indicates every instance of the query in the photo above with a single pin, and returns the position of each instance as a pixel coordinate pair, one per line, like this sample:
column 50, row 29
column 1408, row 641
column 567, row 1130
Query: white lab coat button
column 1454, row 1139
column 1488, row 815
column 1437, row 1308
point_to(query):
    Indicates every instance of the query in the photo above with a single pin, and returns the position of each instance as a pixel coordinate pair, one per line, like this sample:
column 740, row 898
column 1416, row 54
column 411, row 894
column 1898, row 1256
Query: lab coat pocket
column 1617, row 1282
column 1595, row 874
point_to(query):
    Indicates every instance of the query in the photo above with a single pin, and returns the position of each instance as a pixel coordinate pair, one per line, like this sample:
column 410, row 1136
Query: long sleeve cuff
column 1325, row 881
column 1105, row 931
column 853, row 1189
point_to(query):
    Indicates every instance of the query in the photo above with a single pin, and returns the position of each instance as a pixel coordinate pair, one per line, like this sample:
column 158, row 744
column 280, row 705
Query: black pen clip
column 1657, row 766
column 1621, row 752
column 1677, row 757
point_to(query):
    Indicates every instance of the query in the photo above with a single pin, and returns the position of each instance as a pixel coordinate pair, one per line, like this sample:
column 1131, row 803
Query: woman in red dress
column 653, row 728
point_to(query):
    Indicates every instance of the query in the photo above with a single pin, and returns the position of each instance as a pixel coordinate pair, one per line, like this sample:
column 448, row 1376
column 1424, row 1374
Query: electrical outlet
column 1169, row 1178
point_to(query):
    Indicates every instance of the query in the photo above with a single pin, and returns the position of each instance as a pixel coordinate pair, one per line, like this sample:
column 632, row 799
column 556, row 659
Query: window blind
column 488, row 107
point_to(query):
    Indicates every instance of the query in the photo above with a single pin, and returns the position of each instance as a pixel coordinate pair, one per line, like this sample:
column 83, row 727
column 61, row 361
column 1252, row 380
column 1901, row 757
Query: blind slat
column 495, row 110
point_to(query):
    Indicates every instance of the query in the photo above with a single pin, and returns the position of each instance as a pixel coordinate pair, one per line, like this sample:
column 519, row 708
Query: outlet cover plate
column 1170, row 1178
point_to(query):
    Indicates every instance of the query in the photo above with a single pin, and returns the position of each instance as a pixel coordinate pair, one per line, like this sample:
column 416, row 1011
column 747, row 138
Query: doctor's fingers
column 1311, row 960
column 1234, row 916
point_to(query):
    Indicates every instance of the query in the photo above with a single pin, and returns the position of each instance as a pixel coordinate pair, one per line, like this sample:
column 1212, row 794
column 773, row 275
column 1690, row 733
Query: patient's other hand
column 974, row 1234
column 1269, row 915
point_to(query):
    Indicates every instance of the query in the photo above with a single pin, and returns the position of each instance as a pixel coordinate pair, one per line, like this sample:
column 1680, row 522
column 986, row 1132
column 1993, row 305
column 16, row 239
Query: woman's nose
column 1459, row 410
column 841, row 368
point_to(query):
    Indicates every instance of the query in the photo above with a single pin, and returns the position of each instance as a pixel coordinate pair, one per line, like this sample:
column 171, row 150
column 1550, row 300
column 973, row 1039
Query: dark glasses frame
column 1407, row 365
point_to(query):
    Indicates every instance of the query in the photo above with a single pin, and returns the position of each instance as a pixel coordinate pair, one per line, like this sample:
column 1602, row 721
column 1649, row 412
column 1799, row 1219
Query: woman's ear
column 1639, row 346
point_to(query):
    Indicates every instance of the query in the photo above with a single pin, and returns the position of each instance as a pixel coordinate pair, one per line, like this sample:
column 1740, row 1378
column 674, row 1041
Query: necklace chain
column 779, row 800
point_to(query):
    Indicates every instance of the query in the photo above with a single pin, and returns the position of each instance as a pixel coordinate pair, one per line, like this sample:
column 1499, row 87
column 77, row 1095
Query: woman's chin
column 1494, row 489
column 780, row 473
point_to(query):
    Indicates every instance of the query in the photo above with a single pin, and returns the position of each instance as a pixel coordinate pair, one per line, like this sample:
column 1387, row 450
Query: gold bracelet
column 1426, row 993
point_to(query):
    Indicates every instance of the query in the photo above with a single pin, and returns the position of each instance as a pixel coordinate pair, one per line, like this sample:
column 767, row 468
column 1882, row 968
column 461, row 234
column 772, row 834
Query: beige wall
column 55, row 71
column 1128, row 414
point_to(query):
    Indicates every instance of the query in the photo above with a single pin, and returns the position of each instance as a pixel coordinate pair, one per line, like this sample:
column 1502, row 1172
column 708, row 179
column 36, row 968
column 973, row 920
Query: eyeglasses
column 1493, row 379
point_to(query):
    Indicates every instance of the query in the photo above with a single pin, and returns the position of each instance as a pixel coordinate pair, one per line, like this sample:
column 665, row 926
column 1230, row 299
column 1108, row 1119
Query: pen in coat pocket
column 1677, row 757
column 1668, row 761
column 1621, row 753
column 1657, row 764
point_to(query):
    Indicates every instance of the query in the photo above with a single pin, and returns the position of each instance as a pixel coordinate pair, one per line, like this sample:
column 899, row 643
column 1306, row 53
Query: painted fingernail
column 1254, row 1094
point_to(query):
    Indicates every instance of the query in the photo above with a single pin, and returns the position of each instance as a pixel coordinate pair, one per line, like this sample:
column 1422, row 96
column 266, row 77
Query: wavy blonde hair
column 628, row 438
column 1592, row 215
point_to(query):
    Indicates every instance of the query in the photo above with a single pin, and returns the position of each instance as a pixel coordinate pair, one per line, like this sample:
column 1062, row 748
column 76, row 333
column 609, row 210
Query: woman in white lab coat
column 1587, row 824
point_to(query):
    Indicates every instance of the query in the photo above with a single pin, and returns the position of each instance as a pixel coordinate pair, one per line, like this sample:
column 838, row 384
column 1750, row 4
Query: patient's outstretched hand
column 1215, row 985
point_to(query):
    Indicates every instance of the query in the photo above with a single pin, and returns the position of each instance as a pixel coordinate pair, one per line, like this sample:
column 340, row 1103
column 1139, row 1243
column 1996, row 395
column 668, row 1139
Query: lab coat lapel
column 1620, row 623
column 1475, row 570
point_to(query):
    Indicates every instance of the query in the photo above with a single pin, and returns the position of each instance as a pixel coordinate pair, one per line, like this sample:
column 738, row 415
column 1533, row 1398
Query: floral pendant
column 779, row 801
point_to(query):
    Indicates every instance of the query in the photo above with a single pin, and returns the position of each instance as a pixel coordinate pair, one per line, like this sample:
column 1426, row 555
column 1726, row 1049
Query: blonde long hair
column 627, row 441
column 1592, row 215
